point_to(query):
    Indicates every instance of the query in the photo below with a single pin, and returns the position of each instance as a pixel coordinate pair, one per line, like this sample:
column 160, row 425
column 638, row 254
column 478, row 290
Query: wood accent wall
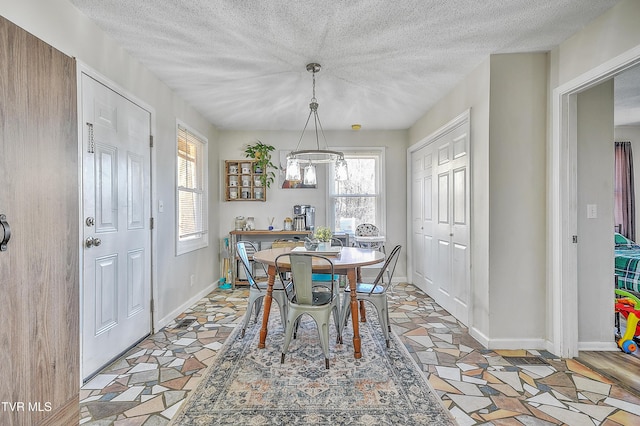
column 39, row 272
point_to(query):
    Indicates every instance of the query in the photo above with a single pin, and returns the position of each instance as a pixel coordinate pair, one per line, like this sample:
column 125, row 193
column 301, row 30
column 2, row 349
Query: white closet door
column 440, row 218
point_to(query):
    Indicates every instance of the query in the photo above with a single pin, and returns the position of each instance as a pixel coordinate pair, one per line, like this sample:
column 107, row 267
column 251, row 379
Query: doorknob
column 6, row 232
column 91, row 241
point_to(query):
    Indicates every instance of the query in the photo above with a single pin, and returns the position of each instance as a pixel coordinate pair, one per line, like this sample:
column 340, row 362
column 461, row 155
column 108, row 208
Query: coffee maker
column 304, row 217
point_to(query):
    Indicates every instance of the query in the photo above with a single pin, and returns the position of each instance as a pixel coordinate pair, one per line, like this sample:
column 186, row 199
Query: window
column 360, row 199
column 192, row 195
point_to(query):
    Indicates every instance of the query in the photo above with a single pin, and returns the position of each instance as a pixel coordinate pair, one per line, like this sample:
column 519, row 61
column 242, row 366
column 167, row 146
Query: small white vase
column 324, row 246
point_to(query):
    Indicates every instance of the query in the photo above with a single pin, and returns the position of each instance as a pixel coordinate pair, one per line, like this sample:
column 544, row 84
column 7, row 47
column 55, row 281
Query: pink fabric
column 624, row 207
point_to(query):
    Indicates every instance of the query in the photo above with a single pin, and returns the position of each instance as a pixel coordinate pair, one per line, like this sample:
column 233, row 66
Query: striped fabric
column 627, row 267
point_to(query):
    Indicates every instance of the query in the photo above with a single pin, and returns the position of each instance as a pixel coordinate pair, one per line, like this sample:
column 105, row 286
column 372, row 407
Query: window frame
column 380, row 184
column 201, row 238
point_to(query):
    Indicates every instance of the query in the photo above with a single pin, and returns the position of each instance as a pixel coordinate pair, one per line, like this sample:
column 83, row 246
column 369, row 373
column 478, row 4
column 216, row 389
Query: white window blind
column 191, row 190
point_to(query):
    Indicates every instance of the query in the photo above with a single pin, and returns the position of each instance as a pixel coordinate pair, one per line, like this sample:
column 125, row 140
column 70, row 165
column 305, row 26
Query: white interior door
column 422, row 217
column 440, row 219
column 116, row 213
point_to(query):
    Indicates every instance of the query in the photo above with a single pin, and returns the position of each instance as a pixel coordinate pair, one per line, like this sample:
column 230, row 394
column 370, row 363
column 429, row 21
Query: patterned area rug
column 249, row 386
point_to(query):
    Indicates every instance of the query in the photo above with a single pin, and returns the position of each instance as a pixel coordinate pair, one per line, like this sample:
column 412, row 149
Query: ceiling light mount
column 309, row 157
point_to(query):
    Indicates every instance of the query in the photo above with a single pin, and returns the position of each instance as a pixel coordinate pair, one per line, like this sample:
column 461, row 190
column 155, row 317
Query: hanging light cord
column 313, row 109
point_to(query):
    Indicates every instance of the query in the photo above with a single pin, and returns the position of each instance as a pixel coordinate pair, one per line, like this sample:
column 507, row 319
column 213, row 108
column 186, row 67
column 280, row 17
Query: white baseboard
column 515, row 343
column 479, row 336
column 598, row 346
column 180, row 309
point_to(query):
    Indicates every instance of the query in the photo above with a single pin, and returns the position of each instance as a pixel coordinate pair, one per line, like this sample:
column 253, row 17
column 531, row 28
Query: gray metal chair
column 375, row 293
column 318, row 302
column 258, row 289
column 324, row 279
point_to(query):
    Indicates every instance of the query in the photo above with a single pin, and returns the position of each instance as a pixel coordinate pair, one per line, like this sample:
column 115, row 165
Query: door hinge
column 574, row 239
column 91, row 148
column 151, row 141
column 151, row 305
column 151, row 223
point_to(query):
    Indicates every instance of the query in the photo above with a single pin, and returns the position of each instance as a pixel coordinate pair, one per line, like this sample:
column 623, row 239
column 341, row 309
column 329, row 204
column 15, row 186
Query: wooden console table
column 261, row 236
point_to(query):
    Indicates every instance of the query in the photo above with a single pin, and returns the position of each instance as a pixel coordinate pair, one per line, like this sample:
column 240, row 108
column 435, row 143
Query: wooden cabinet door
column 39, row 272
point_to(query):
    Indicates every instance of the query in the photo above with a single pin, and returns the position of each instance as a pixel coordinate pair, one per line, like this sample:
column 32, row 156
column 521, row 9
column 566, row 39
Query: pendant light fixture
column 309, row 157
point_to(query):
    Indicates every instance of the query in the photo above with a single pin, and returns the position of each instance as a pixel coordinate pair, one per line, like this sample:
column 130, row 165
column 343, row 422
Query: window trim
column 381, row 204
column 192, row 244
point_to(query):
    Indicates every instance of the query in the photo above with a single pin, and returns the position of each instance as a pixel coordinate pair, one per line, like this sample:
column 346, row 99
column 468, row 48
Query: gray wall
column 595, row 51
column 507, row 97
column 472, row 93
column 280, row 202
column 517, row 193
column 595, row 235
column 58, row 23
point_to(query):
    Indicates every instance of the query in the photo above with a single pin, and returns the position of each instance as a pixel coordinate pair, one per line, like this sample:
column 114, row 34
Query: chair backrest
column 243, row 248
column 388, row 268
column 336, row 242
column 367, row 230
column 301, row 266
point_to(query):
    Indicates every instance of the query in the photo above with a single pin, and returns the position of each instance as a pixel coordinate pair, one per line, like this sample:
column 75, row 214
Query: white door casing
column 440, row 216
column 562, row 199
column 116, row 222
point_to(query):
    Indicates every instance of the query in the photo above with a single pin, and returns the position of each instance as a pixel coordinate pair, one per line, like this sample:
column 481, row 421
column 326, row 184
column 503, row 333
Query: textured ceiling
column 627, row 98
column 384, row 64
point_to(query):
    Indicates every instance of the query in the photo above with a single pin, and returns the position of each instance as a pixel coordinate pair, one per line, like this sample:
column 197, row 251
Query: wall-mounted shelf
column 242, row 181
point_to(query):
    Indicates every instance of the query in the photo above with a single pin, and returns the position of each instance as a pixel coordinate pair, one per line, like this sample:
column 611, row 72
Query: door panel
column 106, row 294
column 39, row 270
column 460, row 196
column 445, row 238
column 106, row 182
column 418, row 245
column 116, row 193
column 135, row 195
column 422, row 217
column 135, row 282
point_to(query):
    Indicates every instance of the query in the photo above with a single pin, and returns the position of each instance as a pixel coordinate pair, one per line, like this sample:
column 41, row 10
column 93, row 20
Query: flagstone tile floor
column 148, row 385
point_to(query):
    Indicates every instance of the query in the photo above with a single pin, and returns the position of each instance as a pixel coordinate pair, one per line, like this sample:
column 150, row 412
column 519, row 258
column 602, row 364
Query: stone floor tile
column 589, row 385
column 566, row 416
column 441, row 346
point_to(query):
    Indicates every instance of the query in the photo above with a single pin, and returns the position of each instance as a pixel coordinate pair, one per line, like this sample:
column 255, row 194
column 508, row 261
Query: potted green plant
column 323, row 234
column 261, row 153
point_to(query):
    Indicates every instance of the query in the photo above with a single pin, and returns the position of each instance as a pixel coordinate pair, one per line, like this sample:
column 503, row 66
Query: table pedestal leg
column 351, row 275
column 267, row 306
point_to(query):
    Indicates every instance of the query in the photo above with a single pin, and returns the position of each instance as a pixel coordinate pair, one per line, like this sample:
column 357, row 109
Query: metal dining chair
column 305, row 298
column 375, row 293
column 258, row 289
column 323, row 279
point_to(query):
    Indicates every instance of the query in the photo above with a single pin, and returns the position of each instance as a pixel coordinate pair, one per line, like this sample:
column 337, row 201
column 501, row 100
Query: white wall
column 517, row 198
column 609, row 35
column 593, row 53
column 508, row 105
column 472, row 93
column 58, row 23
column 595, row 235
column 280, row 201
column 632, row 134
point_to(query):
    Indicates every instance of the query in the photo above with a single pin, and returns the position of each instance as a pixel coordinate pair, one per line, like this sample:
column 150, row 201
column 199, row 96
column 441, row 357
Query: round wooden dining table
column 346, row 263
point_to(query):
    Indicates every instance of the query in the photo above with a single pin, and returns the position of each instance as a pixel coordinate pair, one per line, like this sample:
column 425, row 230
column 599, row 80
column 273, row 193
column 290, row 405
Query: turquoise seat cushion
column 324, row 277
